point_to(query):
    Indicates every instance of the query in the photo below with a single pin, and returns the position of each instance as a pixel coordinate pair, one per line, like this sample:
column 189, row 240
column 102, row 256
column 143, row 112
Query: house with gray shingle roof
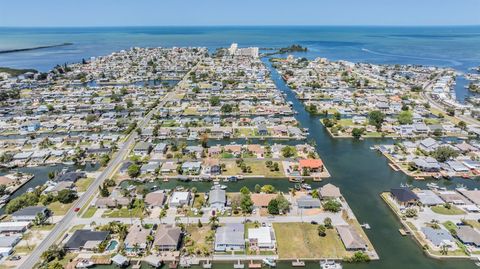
column 230, row 237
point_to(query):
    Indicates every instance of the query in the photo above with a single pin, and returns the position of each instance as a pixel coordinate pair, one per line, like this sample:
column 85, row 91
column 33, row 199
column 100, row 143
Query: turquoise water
column 112, row 245
column 361, row 173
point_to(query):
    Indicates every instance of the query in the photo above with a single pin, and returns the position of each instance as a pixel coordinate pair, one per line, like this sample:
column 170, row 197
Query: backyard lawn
column 301, row 240
column 440, row 209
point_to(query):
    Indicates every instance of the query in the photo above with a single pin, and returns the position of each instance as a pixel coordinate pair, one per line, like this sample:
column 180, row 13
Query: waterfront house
column 428, row 144
column 329, row 191
column 468, row 236
column 230, row 237
column 217, row 198
column 168, row 167
column 438, row 237
column 150, row 167
column 312, row 165
column 160, row 148
column 136, row 239
column 167, row 238
column 29, row 213
column 180, row 198
column 261, row 238
column 191, row 167
column 307, row 201
column 350, row 238
column 85, row 240
column 426, row 164
column 429, row 198
column 155, row 199
column 404, row 196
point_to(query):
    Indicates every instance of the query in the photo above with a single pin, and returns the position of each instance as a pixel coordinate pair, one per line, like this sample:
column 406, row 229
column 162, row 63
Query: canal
column 362, row 174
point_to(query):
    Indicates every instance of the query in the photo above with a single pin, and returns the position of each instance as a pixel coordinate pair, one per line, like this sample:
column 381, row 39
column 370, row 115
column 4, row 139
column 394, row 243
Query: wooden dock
column 253, row 265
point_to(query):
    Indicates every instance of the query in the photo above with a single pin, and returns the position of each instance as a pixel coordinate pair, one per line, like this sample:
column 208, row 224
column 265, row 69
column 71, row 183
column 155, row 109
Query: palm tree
column 214, row 221
column 163, row 213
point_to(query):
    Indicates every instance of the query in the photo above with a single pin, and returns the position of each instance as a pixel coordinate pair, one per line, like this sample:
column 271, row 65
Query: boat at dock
column 328, row 264
column 298, row 263
column 85, row 263
column 366, row 226
column 306, row 186
column 269, row 262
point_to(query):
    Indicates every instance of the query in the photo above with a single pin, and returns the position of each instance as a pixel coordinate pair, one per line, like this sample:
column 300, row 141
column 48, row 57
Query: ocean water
column 361, row 173
column 456, row 47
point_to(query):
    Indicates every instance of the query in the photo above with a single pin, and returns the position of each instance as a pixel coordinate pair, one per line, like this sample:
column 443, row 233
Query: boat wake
column 453, row 62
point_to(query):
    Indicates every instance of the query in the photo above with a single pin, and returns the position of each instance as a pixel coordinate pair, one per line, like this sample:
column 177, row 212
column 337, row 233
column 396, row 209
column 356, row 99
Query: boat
column 437, row 176
column 366, row 226
column 85, row 263
column 306, row 186
column 223, row 187
column 328, row 264
column 269, row 262
column 298, row 263
column 432, row 185
column 296, row 179
column 298, row 187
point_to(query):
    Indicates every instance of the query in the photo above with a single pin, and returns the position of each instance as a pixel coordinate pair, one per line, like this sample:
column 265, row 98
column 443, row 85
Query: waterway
column 362, row 174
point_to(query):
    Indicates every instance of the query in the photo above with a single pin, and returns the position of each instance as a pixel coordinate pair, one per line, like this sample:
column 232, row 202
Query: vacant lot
column 301, row 240
column 58, row 208
column 200, row 240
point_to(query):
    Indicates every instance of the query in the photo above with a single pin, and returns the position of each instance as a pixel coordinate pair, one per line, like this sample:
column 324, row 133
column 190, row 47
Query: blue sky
column 240, row 12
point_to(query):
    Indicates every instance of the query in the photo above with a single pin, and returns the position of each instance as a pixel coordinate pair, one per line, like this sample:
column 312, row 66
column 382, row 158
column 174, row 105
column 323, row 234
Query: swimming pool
column 112, row 245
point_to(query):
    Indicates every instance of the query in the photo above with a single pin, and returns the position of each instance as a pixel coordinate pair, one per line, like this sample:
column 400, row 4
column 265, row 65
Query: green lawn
column 450, row 225
column 123, row 213
column 89, row 212
column 301, row 240
column 82, row 184
column 440, row 209
column 258, row 168
column 58, row 208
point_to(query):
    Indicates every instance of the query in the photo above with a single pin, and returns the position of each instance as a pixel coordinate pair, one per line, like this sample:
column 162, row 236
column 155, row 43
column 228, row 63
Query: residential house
column 29, row 213
column 217, row 198
column 438, row 237
column 85, row 240
column 136, row 239
column 261, row 238
column 230, row 237
column 167, row 238
column 180, row 198
column 155, row 199
column 404, row 196
column 350, row 238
